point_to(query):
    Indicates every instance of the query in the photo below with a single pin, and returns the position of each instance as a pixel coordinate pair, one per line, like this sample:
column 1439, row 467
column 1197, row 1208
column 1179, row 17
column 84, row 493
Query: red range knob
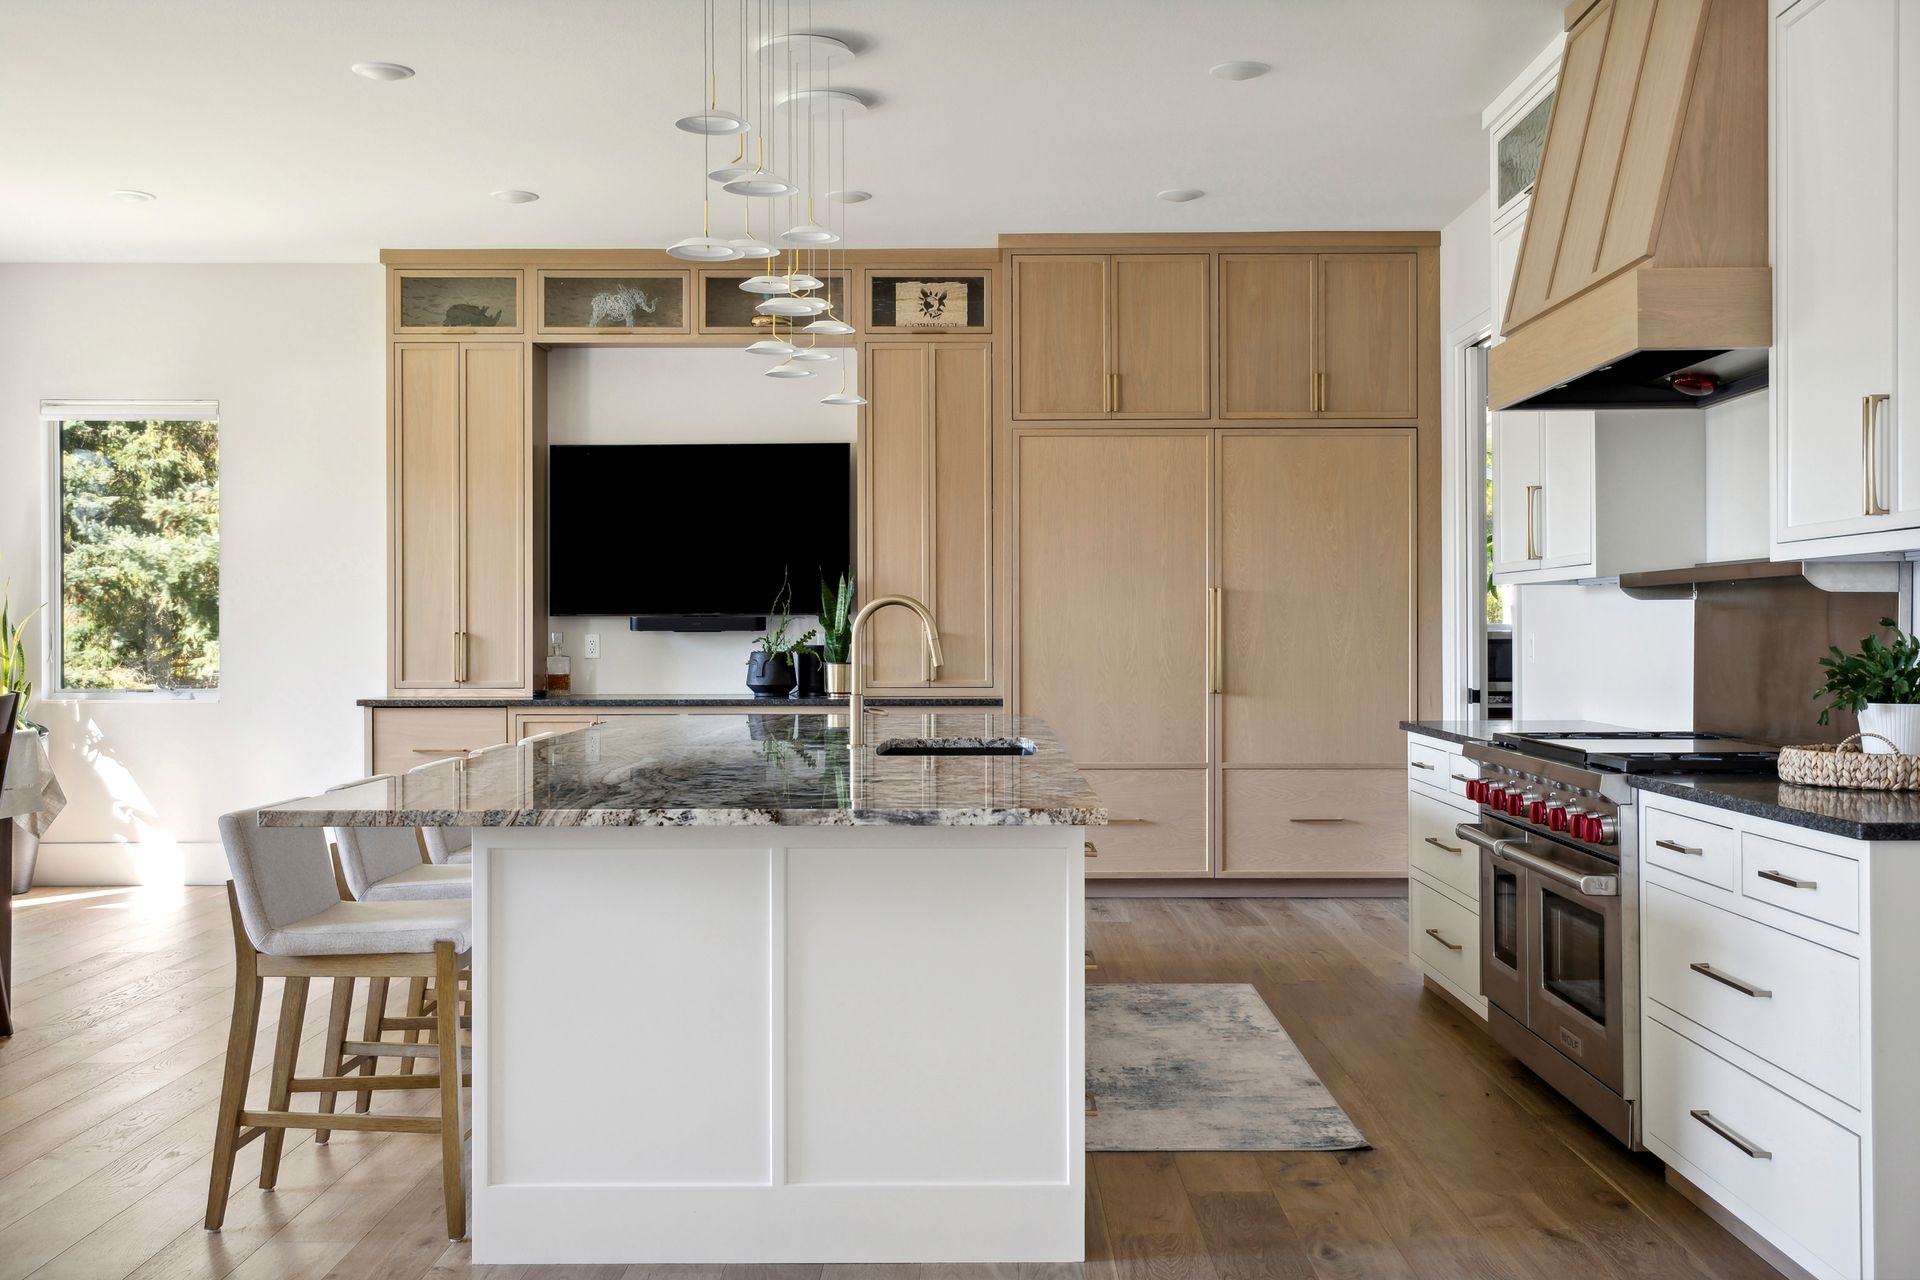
column 1516, row 803
column 1475, row 788
column 1496, row 797
column 1589, row 828
column 1537, row 811
column 1556, row 817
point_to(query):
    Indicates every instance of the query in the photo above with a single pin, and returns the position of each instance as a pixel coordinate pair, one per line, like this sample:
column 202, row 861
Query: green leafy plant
column 775, row 643
column 13, row 656
column 836, row 618
column 1880, row 672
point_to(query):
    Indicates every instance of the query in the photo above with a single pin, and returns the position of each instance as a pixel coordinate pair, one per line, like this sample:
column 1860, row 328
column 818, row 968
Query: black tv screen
column 688, row 529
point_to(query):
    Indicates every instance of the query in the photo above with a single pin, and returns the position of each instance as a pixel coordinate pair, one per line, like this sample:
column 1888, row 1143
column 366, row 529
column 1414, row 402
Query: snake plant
column 13, row 656
column 836, row 618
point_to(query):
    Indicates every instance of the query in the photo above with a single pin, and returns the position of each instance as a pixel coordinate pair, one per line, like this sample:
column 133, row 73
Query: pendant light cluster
column 787, row 73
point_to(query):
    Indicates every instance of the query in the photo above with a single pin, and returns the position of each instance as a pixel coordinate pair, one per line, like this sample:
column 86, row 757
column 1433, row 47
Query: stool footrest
column 341, row 1121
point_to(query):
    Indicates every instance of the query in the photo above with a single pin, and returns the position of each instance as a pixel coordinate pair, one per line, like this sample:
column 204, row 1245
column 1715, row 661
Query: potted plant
column 836, row 634
column 770, row 668
column 1881, row 683
column 13, row 679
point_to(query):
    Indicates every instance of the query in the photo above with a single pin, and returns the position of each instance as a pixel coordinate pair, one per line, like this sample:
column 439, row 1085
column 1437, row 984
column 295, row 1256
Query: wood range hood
column 1645, row 252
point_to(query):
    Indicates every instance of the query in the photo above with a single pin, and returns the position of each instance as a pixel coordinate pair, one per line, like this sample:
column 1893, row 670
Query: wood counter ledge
column 726, row 770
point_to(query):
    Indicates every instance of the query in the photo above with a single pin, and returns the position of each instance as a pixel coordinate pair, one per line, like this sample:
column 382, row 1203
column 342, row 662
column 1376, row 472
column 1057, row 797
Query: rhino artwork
column 620, row 307
column 467, row 315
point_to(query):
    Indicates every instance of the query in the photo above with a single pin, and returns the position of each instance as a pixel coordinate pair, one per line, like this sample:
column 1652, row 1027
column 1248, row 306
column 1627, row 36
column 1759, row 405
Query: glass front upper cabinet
column 425, row 301
column 928, row 303
column 727, row 308
column 614, row 302
column 1517, row 153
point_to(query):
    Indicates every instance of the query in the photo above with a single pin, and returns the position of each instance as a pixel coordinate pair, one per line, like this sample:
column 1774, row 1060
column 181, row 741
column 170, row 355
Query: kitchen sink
column 956, row 747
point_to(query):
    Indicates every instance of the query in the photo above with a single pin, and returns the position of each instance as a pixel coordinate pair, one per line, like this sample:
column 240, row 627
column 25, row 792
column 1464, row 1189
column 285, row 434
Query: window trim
column 52, row 643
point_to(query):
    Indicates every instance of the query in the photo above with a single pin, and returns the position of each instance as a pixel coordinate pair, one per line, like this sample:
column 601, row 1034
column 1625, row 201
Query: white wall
column 682, row 395
column 1594, row 653
column 295, row 357
column 1736, row 457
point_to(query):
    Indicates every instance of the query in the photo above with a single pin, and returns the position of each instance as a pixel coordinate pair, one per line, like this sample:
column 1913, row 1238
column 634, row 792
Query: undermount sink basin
column 956, row 747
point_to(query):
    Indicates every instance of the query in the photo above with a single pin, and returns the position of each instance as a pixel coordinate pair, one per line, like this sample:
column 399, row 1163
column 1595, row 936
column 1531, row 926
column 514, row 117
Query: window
column 135, row 549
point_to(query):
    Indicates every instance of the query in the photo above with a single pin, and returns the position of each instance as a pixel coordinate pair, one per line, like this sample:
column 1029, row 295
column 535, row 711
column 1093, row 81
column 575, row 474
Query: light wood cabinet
column 1111, row 336
column 1319, row 335
column 926, row 451
column 461, row 525
column 403, row 738
column 1111, row 569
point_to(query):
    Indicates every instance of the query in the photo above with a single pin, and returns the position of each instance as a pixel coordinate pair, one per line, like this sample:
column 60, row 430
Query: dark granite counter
column 1855, row 815
column 1465, row 731
column 691, row 701
column 727, row 770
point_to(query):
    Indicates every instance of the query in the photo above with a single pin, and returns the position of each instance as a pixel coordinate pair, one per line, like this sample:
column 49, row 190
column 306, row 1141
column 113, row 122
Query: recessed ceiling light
column 849, row 197
column 516, row 197
column 382, row 70
column 1238, row 70
column 1180, row 195
column 130, row 196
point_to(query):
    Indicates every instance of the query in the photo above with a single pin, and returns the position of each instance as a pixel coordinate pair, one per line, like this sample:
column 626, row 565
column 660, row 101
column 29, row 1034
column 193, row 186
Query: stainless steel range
column 1560, row 901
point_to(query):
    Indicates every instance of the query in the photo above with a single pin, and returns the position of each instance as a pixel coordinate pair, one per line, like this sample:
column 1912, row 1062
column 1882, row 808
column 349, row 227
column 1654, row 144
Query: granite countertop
column 1464, row 731
column 683, row 700
column 728, row 770
column 1854, row 815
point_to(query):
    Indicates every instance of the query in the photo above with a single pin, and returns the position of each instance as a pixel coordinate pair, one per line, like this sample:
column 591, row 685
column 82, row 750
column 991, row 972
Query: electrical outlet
column 1533, row 649
column 593, row 645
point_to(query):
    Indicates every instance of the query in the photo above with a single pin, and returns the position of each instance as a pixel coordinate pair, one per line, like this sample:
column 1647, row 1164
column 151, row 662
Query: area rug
column 1201, row 1067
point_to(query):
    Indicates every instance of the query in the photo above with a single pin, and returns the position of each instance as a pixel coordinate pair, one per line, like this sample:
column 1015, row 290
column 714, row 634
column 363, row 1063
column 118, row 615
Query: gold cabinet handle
column 1437, row 843
column 1870, row 440
column 1092, row 964
column 1533, row 494
column 1316, row 822
column 1451, row 946
column 441, row 751
column 1088, row 848
column 1319, row 393
column 1216, row 652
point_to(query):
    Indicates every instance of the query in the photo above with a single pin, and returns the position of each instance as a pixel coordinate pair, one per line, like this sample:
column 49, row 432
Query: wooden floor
column 122, row 996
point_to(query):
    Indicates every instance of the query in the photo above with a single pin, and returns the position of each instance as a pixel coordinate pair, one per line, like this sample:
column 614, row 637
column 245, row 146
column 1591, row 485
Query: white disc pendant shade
column 748, row 247
column 827, row 326
column 771, row 347
column 712, row 123
column 785, row 370
column 760, row 183
column 769, row 285
column 702, row 249
column 811, row 354
column 731, row 173
column 801, row 282
column 843, row 397
column 809, row 233
column 790, row 306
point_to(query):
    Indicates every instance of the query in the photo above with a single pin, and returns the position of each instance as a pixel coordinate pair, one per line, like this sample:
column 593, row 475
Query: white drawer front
column 1807, row 1024
column 1807, row 882
column 1444, row 934
column 1690, row 847
column 1426, row 764
column 1434, row 849
column 1807, row 1189
column 1460, row 771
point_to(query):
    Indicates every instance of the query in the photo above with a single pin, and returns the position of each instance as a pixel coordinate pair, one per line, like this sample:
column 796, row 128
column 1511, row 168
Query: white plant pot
column 1896, row 721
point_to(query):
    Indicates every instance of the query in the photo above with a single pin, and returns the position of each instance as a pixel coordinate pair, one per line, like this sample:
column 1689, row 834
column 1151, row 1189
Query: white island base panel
column 763, row 1044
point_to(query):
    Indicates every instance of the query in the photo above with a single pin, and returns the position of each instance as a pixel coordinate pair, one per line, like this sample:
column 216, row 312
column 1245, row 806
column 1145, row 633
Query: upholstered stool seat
column 449, row 846
column 368, row 928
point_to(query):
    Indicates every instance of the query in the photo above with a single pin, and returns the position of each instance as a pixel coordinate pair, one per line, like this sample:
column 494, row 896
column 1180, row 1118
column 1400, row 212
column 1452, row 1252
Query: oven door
column 1574, row 954
column 1504, row 936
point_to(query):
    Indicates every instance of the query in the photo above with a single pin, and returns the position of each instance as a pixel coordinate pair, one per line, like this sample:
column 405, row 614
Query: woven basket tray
column 1848, row 766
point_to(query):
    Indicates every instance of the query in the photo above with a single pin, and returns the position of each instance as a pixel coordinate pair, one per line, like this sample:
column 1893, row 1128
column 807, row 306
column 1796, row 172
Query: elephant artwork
column 620, row 307
column 468, row 315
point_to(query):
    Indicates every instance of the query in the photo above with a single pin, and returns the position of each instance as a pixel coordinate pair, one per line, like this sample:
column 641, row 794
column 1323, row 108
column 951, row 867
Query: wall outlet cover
column 593, row 645
column 1533, row 648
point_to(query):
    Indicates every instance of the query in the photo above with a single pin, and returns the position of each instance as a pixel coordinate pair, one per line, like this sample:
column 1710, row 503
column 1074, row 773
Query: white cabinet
column 1506, row 257
column 1579, row 494
column 1846, row 222
column 1777, row 1034
column 1443, row 872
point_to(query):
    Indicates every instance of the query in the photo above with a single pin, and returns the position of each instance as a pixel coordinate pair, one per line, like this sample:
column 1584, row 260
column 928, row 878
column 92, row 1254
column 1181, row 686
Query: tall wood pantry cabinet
column 462, row 517
column 1120, row 335
column 927, row 501
column 1221, row 624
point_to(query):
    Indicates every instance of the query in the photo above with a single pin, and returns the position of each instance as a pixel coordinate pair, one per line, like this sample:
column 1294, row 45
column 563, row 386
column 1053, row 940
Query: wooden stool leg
column 233, row 1082
column 332, row 1058
column 376, row 1015
column 452, row 1121
column 416, row 1007
column 286, row 1044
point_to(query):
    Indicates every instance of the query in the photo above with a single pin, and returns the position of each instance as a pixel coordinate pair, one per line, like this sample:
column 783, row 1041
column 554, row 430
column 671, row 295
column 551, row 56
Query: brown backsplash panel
column 1756, row 655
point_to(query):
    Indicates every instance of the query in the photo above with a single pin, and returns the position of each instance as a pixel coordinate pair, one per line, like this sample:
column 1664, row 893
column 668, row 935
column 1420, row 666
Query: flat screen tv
column 688, row 534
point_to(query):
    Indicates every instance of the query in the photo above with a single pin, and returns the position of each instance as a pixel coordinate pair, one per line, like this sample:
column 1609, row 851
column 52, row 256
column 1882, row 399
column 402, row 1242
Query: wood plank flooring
column 1478, row 1172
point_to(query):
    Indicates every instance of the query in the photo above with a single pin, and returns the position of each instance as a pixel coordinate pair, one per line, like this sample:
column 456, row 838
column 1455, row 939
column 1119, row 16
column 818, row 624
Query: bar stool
column 446, row 846
column 289, row 922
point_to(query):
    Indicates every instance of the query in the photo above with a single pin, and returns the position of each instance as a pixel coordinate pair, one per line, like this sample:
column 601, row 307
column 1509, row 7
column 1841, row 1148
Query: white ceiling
column 990, row 116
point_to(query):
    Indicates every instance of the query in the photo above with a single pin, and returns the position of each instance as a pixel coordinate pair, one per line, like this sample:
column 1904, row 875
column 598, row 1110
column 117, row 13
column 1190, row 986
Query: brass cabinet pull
column 1319, row 393
column 1706, row 970
column 1781, row 878
column 1435, row 842
column 1869, row 421
column 1419, row 764
column 1092, row 964
column 1747, row 1148
column 1215, row 653
column 1088, row 847
column 1319, row 821
column 1533, row 494
column 1679, row 848
column 1435, row 935
column 1115, row 822
column 1113, row 393
column 441, row 751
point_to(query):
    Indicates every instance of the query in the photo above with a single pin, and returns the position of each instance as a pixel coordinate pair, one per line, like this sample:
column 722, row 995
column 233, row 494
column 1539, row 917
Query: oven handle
column 1588, row 885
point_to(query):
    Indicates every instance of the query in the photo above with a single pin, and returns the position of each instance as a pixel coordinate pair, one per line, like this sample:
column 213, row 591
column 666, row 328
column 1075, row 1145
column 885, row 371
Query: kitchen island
column 745, row 994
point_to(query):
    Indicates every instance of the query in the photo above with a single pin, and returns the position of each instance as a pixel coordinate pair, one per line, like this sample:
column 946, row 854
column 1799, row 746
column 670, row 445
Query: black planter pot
column 770, row 675
column 812, row 675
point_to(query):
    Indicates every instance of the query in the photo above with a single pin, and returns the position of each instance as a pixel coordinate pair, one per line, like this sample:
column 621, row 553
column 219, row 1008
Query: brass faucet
column 857, row 698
